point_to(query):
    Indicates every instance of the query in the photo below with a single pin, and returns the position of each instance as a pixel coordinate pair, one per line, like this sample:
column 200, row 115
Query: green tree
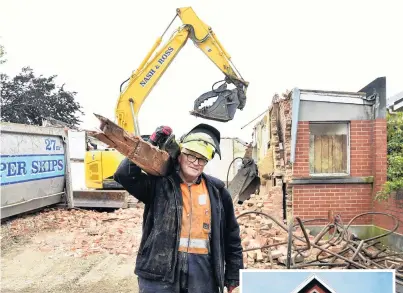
column 2, row 53
column 28, row 99
column 395, row 156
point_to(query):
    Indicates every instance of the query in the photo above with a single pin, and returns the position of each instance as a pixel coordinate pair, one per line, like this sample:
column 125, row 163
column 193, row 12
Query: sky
column 276, row 45
column 341, row 282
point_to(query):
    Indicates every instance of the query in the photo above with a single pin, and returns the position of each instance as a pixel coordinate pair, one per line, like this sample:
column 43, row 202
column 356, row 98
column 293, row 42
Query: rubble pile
column 82, row 232
column 270, row 203
column 265, row 243
column 258, row 230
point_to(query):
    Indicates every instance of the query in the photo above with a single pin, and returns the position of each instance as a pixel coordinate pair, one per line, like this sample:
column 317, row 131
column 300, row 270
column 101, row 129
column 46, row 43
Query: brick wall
column 301, row 164
column 361, row 148
column 380, row 153
column 348, row 200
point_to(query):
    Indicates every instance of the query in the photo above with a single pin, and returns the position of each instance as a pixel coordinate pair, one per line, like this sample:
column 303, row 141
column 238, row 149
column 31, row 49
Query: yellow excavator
column 100, row 165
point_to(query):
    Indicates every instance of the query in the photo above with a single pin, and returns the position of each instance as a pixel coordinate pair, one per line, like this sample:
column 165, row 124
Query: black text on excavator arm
column 151, row 69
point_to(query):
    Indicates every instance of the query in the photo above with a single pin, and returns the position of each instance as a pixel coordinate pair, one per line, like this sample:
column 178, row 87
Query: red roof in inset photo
column 313, row 284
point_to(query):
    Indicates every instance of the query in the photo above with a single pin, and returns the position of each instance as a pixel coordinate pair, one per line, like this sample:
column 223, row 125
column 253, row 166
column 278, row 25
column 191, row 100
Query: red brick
column 348, row 200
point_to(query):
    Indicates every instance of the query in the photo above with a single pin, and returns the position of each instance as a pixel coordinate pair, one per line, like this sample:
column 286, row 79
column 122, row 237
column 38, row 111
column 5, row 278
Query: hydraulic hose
column 231, row 165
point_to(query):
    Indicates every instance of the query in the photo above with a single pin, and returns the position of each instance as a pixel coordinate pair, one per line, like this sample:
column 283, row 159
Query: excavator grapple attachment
column 224, row 107
column 245, row 182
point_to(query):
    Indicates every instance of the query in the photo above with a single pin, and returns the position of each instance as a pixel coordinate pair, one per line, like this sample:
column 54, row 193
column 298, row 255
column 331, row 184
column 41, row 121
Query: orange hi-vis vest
column 196, row 219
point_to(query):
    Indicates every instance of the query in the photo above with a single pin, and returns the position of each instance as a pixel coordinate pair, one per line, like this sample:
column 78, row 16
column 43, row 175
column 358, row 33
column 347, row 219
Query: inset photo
column 317, row 281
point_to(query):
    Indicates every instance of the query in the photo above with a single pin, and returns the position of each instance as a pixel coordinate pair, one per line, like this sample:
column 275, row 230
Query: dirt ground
column 56, row 250
column 75, row 251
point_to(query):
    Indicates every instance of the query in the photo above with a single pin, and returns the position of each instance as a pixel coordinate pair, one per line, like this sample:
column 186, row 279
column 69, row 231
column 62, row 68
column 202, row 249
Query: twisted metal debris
column 353, row 253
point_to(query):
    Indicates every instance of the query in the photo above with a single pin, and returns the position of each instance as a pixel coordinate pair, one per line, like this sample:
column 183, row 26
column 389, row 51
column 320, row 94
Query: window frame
column 348, row 125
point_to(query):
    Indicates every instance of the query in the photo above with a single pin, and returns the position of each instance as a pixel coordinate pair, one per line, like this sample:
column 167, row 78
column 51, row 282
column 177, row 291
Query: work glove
column 231, row 288
column 231, row 285
column 160, row 135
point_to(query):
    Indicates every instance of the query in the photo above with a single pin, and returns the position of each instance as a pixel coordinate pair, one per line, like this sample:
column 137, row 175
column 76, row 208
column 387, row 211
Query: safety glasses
column 192, row 159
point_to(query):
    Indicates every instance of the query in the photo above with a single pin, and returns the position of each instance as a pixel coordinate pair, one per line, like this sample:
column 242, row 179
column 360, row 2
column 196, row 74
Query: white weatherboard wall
column 77, row 142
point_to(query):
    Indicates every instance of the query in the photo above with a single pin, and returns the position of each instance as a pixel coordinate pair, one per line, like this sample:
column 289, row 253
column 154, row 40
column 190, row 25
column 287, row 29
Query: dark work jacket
column 157, row 255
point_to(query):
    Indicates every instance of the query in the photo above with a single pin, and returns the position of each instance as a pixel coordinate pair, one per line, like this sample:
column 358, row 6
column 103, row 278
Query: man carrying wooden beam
column 191, row 240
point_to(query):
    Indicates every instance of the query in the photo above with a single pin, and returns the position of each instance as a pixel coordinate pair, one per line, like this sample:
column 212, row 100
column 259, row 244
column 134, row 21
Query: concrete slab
column 100, row 198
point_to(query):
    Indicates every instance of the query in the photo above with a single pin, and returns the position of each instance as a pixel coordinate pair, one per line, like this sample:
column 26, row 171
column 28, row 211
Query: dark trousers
column 194, row 274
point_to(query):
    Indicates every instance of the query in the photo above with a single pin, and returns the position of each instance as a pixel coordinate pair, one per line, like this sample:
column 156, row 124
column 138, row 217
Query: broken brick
column 149, row 158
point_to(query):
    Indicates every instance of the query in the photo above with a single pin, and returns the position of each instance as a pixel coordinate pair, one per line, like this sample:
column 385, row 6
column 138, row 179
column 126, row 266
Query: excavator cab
column 224, row 107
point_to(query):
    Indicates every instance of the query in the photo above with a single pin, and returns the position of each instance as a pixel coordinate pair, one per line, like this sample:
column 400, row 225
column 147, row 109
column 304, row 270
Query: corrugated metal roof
column 391, row 100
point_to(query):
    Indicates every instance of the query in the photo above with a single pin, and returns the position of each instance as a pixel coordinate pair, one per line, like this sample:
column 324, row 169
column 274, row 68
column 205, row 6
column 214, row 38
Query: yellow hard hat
column 203, row 139
column 200, row 143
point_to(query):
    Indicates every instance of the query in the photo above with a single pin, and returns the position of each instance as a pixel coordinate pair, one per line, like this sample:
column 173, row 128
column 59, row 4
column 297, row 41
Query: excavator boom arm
column 150, row 71
column 203, row 37
column 143, row 81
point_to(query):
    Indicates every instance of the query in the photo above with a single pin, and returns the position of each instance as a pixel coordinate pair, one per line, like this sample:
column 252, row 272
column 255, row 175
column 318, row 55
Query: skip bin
column 34, row 168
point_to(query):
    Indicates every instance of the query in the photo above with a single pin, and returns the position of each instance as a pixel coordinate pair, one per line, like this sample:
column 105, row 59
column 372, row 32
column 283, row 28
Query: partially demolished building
column 323, row 153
